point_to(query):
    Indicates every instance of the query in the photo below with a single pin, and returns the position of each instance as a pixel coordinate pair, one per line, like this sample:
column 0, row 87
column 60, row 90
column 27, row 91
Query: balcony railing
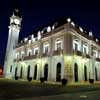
column 45, row 54
column 31, row 57
column 57, row 52
column 28, row 57
column 79, row 53
column 18, row 59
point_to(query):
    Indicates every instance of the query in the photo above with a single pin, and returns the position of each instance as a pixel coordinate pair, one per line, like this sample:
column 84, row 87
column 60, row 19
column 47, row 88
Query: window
column 22, row 54
column 46, row 48
column 29, row 52
column 17, row 55
column 95, row 53
column 36, row 51
column 85, row 49
column 76, row 45
column 58, row 45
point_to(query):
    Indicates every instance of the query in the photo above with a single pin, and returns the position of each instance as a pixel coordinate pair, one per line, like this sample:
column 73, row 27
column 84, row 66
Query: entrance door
column 21, row 72
column 28, row 72
column 96, row 77
column 58, row 72
column 46, row 72
column 76, row 72
column 35, row 72
column 16, row 72
column 85, row 73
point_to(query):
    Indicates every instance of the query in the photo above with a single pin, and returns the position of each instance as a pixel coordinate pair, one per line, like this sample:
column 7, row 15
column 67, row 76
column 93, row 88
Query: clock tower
column 14, row 29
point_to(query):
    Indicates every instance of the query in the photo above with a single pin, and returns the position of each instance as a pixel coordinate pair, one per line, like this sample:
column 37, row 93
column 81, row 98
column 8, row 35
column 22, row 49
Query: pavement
column 24, row 90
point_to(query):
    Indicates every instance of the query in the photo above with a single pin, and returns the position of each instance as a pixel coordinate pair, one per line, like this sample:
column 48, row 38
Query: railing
column 79, row 53
column 31, row 57
column 18, row 59
column 27, row 58
column 57, row 52
column 45, row 55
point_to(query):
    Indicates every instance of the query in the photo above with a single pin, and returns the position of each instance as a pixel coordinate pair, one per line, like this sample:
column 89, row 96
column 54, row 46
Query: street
column 24, row 90
column 92, row 95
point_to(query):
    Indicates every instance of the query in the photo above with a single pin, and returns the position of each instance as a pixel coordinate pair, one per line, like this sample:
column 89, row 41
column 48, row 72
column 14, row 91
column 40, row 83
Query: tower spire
column 13, row 14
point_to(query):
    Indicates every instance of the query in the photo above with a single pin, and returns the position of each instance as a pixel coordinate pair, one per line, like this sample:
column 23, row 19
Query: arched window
column 21, row 72
column 76, row 72
column 96, row 77
column 28, row 72
column 35, row 72
column 45, row 72
column 58, row 72
column 85, row 73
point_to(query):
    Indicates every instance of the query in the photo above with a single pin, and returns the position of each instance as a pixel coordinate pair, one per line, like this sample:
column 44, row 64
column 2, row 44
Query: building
column 64, row 52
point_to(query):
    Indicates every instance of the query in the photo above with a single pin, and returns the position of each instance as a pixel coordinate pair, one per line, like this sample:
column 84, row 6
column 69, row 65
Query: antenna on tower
column 16, row 12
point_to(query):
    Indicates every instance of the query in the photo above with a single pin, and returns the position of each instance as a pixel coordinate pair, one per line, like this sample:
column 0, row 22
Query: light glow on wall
column 69, row 20
column 90, row 34
column 80, row 29
column 72, row 23
column 48, row 29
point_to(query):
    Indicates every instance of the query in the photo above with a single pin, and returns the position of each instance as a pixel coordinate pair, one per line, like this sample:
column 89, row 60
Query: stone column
column 68, row 73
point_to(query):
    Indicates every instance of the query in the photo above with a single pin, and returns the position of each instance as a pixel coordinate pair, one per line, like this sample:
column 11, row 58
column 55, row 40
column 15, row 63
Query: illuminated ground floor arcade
column 74, row 69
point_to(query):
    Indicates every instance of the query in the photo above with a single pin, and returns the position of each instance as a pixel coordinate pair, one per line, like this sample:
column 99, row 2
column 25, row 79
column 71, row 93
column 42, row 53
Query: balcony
column 86, row 55
column 27, row 58
column 17, row 59
column 57, row 52
column 45, row 55
column 79, row 53
column 31, row 57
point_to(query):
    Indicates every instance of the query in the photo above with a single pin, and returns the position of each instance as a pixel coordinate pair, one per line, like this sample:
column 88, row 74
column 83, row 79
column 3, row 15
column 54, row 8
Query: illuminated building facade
column 64, row 52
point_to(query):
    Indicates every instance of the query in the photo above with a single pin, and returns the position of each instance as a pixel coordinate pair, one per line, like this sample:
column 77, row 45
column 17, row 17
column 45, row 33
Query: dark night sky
column 39, row 13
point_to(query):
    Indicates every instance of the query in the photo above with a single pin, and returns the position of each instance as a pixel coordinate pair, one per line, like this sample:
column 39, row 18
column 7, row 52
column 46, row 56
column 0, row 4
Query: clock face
column 16, row 21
